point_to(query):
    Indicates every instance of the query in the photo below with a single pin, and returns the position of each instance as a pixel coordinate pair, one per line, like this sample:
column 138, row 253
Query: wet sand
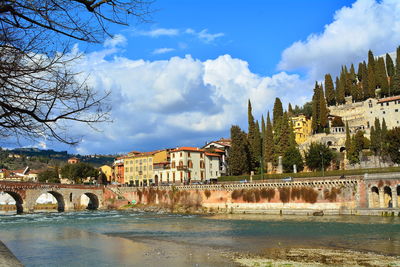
column 7, row 258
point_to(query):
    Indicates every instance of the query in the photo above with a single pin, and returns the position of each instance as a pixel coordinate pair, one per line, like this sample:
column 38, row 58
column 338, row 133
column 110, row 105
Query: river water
column 124, row 238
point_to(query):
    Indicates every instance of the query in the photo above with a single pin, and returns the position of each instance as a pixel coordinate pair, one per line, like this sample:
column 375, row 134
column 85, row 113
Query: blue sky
column 185, row 78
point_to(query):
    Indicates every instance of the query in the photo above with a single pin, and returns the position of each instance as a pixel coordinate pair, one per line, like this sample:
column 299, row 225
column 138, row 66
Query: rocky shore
column 7, row 258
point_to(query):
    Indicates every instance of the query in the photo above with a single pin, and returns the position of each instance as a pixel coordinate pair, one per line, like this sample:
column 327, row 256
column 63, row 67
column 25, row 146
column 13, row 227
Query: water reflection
column 122, row 238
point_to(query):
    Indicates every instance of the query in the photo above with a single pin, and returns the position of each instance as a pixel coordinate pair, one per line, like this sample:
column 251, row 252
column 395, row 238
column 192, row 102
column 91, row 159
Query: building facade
column 302, row 127
column 220, row 147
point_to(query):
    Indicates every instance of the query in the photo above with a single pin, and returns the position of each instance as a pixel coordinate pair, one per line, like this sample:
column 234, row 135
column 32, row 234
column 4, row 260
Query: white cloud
column 180, row 101
column 204, row 35
column 117, row 40
column 365, row 25
column 159, row 32
column 163, row 50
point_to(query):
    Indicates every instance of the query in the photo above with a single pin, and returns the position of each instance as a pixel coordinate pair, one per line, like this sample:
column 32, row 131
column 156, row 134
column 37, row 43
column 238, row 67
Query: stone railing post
column 395, row 203
column 381, row 198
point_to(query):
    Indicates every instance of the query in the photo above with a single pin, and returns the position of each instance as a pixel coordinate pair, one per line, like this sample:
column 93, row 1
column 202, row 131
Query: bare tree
column 39, row 91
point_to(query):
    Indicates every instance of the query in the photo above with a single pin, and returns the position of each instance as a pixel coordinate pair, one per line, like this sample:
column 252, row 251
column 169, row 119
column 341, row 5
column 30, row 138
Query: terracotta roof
column 212, row 154
column 388, row 99
column 218, row 150
column 185, row 148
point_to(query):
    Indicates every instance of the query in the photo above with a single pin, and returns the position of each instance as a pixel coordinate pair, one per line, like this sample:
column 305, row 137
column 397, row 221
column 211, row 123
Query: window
column 150, row 168
column 180, row 154
column 131, row 169
column 140, row 161
column 396, row 110
column 384, row 112
column 137, row 168
column 381, row 104
column 189, row 154
column 126, row 169
column 144, row 168
column 190, row 164
column 144, row 176
column 173, row 155
column 144, row 160
column 137, row 161
column 140, row 168
column 150, row 159
column 387, row 103
column 173, row 164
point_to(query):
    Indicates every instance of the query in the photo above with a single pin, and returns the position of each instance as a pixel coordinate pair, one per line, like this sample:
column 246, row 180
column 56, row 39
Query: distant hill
column 36, row 158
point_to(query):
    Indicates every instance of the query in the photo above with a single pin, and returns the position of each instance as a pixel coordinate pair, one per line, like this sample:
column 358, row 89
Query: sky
column 185, row 78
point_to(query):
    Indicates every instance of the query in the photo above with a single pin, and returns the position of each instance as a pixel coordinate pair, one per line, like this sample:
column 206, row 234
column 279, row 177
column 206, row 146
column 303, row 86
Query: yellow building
column 302, row 128
column 107, row 170
column 138, row 167
column 4, row 174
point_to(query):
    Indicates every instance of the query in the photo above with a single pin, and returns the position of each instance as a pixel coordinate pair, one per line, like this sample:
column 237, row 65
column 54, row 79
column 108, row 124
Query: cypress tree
column 377, row 142
column 374, row 145
column 371, row 75
column 382, row 81
column 257, row 145
column 384, row 142
column 284, row 138
column 323, row 111
column 364, row 82
column 389, row 68
column 395, row 85
column 239, row 154
column 360, row 71
column 252, row 137
column 329, row 90
column 262, row 130
column 269, row 142
column 315, row 108
column 277, row 112
column 348, row 138
column 340, row 90
column 290, row 110
column 347, row 81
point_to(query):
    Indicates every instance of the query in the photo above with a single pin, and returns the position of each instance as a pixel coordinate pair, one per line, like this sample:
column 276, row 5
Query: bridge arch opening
column 50, row 200
column 387, row 197
column 11, row 201
column 90, row 201
column 374, row 196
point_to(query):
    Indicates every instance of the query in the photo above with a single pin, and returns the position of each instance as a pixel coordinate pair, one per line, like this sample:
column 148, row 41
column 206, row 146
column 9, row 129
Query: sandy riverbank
column 301, row 257
column 7, row 258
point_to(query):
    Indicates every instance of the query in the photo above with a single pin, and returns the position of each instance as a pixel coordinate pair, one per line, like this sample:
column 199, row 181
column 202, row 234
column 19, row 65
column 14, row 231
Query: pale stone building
column 221, row 147
column 188, row 165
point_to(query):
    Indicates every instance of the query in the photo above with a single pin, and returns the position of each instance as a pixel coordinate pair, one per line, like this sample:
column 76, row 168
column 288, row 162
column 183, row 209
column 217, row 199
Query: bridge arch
column 387, row 197
column 18, row 201
column 93, row 203
column 374, row 197
column 59, row 198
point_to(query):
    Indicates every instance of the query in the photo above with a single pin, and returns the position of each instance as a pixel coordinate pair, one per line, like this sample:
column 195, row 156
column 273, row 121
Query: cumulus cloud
column 163, row 50
column 180, row 101
column 365, row 25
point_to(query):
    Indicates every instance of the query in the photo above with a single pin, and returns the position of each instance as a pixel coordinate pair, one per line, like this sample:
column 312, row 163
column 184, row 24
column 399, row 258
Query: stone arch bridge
column 68, row 196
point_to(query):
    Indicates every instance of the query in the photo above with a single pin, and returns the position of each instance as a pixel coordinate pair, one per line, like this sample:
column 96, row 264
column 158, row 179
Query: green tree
column 290, row 110
column 352, row 153
column 291, row 157
column 329, row 90
column 315, row 108
column 268, row 143
column 382, row 81
column 323, row 110
column 364, row 81
column 254, row 139
column 389, row 70
column 239, row 154
column 49, row 176
column 376, row 140
column 393, row 144
column 78, row 172
column 348, row 138
column 277, row 112
column 318, row 156
column 339, row 91
column 371, row 75
column 395, row 85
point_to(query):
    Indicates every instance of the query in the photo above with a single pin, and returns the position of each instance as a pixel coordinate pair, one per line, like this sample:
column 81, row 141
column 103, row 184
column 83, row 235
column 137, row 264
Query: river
column 124, row 238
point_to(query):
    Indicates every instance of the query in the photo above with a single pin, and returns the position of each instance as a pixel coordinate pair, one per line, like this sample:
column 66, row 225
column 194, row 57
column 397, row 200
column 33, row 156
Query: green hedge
column 309, row 174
